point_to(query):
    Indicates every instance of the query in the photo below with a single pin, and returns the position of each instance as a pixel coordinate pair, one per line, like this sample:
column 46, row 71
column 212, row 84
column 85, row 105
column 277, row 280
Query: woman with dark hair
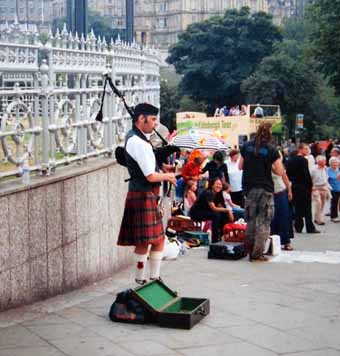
column 217, row 168
column 210, row 206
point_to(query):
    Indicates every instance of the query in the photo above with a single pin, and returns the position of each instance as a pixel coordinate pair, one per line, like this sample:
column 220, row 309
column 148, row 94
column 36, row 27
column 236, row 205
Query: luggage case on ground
column 202, row 236
column 168, row 309
column 227, row 251
column 234, row 232
column 183, row 223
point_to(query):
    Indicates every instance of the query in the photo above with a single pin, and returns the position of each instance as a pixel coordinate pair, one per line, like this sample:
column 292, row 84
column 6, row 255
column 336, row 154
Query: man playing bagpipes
column 142, row 222
column 142, row 219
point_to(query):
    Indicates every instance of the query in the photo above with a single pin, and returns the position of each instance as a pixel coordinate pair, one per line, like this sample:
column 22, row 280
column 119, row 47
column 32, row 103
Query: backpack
column 125, row 309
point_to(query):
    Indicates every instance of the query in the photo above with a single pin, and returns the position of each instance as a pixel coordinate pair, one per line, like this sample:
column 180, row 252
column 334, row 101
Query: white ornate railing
column 53, row 123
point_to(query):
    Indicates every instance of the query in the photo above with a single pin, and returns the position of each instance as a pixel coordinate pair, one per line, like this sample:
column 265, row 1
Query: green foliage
column 324, row 16
column 216, row 55
column 169, row 101
column 101, row 25
column 289, row 78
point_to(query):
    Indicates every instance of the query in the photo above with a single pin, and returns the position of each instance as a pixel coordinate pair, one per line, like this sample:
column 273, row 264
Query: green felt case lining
column 156, row 295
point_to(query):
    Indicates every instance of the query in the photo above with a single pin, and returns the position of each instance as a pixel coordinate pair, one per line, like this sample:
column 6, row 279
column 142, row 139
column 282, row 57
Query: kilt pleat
column 142, row 223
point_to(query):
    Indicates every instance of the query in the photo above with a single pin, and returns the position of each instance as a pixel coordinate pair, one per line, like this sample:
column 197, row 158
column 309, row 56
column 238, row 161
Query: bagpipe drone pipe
column 162, row 153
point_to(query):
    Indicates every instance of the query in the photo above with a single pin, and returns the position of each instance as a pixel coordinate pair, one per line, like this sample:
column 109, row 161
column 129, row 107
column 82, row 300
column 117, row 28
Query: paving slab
column 256, row 310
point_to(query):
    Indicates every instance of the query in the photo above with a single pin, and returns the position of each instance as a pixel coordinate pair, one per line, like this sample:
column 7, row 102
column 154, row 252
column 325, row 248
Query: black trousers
column 335, row 204
column 302, row 202
column 218, row 221
column 237, row 198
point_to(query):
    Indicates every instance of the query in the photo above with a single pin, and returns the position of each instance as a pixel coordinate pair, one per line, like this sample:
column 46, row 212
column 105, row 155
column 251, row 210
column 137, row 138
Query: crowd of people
column 273, row 188
column 238, row 110
column 273, row 191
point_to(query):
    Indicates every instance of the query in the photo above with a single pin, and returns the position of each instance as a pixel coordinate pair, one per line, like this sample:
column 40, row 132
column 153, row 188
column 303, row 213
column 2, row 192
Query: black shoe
column 314, row 232
column 298, row 231
column 141, row 282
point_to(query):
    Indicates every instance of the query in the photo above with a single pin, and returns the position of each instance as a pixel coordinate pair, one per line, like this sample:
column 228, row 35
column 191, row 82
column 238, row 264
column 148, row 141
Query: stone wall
column 60, row 232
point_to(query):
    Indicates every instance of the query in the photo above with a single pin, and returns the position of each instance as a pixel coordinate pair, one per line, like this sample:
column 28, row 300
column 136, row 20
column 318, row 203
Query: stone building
column 116, row 9
column 160, row 22
column 32, row 11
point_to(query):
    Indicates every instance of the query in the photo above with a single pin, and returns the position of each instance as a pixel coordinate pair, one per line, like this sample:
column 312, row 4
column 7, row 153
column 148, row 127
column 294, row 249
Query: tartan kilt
column 142, row 222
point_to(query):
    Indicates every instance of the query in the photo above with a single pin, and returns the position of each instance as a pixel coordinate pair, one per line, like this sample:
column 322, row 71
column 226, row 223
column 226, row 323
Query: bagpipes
column 162, row 153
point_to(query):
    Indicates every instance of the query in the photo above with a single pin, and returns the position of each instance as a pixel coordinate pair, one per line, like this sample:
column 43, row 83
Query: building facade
column 160, row 22
column 32, row 11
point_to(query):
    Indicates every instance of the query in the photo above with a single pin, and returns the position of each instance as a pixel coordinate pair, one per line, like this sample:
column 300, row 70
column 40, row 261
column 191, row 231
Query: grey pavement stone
column 324, row 352
column 16, row 336
column 256, row 309
column 69, row 211
column 82, row 218
column 272, row 339
column 38, row 277
column 19, row 230
column 5, row 288
column 31, row 351
column 82, row 317
column 326, row 334
column 89, row 346
column 239, row 349
column 4, row 233
column 55, row 271
column 70, row 274
column 54, row 215
column 60, row 331
column 49, row 319
column 37, row 222
column 146, row 348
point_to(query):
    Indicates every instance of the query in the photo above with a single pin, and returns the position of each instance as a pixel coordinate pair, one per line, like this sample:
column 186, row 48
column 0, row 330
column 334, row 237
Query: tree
column 289, row 78
column 101, row 25
column 324, row 16
column 169, row 101
column 283, row 81
column 216, row 55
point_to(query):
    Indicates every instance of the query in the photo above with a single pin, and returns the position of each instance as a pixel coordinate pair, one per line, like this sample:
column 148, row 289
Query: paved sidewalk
column 256, row 310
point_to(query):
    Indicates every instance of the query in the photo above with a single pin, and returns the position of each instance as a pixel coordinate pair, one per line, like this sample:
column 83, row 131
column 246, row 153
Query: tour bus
column 234, row 130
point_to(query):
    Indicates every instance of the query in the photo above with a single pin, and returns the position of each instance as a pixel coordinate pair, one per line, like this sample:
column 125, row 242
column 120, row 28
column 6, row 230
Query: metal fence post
column 45, row 164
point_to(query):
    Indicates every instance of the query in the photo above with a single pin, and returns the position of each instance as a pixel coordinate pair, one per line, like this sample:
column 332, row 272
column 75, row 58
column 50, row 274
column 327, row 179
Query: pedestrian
column 320, row 191
column 235, row 178
column 209, row 206
column 258, row 159
column 334, row 182
column 142, row 221
column 282, row 223
column 258, row 112
column 298, row 173
column 217, row 168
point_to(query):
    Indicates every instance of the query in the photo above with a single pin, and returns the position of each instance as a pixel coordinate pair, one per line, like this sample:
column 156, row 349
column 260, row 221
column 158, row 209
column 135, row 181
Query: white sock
column 155, row 264
column 140, row 263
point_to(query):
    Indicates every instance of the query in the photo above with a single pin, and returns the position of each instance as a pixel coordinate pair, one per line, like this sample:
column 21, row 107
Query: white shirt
column 279, row 184
column 258, row 111
column 235, row 176
column 319, row 176
column 311, row 163
column 141, row 151
column 227, row 198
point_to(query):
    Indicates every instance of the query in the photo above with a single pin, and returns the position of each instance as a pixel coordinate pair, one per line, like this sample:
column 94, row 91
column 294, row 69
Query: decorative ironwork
column 52, row 95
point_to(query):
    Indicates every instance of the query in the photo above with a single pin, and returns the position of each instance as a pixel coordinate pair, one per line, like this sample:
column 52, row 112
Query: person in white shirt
column 258, row 112
column 320, row 191
column 142, row 221
column 235, row 178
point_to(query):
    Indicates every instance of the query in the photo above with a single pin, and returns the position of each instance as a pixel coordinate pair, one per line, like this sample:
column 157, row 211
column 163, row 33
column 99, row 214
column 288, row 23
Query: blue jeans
column 282, row 223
